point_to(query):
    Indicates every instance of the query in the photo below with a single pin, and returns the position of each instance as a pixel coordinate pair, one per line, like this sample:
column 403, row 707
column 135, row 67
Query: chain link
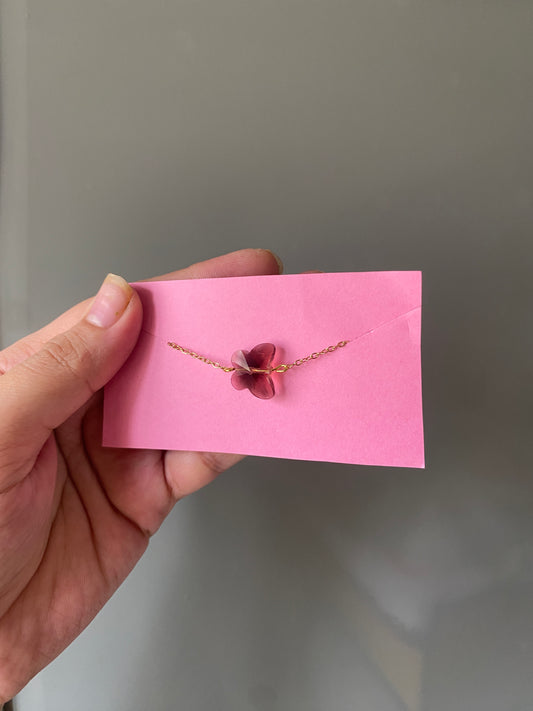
column 214, row 363
column 282, row 368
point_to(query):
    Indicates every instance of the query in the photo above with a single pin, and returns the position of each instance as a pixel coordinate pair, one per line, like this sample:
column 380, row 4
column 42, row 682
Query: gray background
column 138, row 137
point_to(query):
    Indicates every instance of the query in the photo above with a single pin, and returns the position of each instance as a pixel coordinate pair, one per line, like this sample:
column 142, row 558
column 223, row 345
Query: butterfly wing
column 241, row 380
column 261, row 356
column 262, row 386
column 239, row 360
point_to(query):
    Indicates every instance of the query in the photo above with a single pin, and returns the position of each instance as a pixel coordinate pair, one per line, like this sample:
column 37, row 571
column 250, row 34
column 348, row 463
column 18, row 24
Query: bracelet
column 252, row 369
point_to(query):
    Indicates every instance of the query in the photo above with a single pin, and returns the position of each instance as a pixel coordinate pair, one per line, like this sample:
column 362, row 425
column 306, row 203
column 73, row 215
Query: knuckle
column 212, row 462
column 71, row 353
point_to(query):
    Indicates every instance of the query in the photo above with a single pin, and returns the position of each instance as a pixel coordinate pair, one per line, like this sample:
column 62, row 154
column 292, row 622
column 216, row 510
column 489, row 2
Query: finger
column 41, row 392
column 186, row 472
column 244, row 262
column 30, row 344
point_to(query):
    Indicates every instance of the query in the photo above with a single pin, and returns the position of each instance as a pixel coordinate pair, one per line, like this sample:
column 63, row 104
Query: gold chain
column 278, row 369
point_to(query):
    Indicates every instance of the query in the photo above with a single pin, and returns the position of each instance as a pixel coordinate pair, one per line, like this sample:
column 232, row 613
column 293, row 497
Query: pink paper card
column 361, row 404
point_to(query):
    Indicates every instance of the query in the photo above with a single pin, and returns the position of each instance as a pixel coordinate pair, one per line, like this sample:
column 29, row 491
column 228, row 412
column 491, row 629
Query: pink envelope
column 361, row 404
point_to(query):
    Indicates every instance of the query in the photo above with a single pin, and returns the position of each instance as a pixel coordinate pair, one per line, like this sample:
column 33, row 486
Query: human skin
column 76, row 517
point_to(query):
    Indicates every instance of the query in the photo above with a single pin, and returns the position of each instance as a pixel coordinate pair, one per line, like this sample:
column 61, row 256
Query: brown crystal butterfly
column 253, row 370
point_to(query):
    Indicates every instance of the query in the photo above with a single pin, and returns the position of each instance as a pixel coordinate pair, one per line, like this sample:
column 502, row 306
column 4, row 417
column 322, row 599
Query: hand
column 75, row 517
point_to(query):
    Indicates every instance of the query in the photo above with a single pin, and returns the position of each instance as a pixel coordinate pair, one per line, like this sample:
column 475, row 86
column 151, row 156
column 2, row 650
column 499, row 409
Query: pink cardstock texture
column 361, row 404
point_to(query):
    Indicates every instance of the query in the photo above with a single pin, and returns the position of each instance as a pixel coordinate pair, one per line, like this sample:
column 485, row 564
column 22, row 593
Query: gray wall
column 380, row 134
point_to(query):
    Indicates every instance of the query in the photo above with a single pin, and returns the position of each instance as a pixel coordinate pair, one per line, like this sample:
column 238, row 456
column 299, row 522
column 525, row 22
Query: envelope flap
column 298, row 312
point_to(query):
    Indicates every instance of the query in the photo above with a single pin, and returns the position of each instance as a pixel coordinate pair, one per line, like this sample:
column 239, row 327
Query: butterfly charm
column 253, row 369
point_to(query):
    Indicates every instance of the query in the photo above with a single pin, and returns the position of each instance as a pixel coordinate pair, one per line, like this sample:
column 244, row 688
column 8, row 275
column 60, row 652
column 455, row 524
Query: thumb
column 41, row 392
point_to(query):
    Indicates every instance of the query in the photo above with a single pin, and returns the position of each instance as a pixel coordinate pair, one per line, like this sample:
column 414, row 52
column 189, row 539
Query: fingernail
column 110, row 302
column 278, row 260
